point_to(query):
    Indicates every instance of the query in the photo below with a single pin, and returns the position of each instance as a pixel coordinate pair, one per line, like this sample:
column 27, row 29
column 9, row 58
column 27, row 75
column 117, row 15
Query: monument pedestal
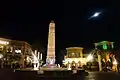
column 50, row 66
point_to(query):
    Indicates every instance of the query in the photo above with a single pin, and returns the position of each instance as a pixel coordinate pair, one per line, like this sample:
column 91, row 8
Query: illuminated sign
column 4, row 42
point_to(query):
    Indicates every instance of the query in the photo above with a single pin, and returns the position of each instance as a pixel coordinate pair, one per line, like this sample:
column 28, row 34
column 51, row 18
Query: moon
column 96, row 14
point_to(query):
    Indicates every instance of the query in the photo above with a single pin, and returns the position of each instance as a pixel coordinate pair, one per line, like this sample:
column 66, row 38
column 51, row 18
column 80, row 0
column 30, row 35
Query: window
column 1, row 48
column 77, row 55
column 69, row 56
column 9, row 49
column 18, row 51
column 73, row 55
column 105, row 46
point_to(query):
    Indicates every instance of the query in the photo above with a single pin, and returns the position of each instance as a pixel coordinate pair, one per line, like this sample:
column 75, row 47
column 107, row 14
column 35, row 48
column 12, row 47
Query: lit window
column 73, row 54
column 77, row 55
column 1, row 48
column 8, row 49
column 11, row 49
column 18, row 51
column 4, row 42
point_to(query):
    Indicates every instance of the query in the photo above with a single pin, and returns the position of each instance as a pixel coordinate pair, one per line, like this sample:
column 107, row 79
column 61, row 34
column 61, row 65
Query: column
column 81, row 54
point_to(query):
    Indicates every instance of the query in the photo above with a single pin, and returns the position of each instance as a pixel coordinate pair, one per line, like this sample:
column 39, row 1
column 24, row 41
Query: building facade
column 102, row 56
column 104, row 45
column 14, row 51
column 74, row 57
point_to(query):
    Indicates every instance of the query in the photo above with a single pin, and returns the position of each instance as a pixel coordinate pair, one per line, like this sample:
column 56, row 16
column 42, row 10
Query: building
column 102, row 55
column 75, row 57
column 14, row 51
column 104, row 45
column 105, row 49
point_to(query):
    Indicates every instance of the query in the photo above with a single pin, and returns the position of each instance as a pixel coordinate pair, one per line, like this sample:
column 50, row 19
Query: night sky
column 28, row 21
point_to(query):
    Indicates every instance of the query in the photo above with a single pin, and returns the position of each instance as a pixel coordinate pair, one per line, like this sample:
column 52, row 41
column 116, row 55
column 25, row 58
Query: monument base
column 50, row 66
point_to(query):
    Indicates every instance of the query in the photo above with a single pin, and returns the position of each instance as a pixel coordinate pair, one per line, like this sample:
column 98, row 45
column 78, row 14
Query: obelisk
column 51, row 44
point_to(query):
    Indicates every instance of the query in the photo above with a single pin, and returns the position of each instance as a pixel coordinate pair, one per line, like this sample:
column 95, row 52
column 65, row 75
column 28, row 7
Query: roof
column 9, row 40
column 74, row 48
column 103, row 42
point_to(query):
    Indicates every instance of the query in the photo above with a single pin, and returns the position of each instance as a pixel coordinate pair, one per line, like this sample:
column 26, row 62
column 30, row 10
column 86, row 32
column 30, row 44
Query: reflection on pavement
column 103, row 76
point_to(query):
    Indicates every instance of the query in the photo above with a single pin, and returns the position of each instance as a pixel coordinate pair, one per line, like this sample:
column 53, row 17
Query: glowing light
column 96, row 14
column 90, row 57
column 84, row 60
column 76, row 61
column 70, row 60
column 112, row 45
column 66, row 61
column 1, row 56
column 69, row 67
column 4, row 42
column 73, row 53
column 35, row 68
column 35, row 61
column 74, row 64
column 41, row 56
column 59, row 65
column 115, row 62
column 28, row 59
column 104, row 46
column 51, row 61
column 18, row 51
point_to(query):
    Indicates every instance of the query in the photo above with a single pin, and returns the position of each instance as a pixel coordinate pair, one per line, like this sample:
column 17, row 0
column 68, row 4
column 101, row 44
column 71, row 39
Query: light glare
column 1, row 56
column 90, row 57
column 4, row 42
column 96, row 14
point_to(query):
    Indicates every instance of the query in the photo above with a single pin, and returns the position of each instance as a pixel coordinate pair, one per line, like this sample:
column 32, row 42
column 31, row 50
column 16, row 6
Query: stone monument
column 50, row 59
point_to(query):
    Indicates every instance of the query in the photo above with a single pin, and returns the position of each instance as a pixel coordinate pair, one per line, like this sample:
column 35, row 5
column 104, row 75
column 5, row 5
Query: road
column 8, row 74
column 103, row 76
